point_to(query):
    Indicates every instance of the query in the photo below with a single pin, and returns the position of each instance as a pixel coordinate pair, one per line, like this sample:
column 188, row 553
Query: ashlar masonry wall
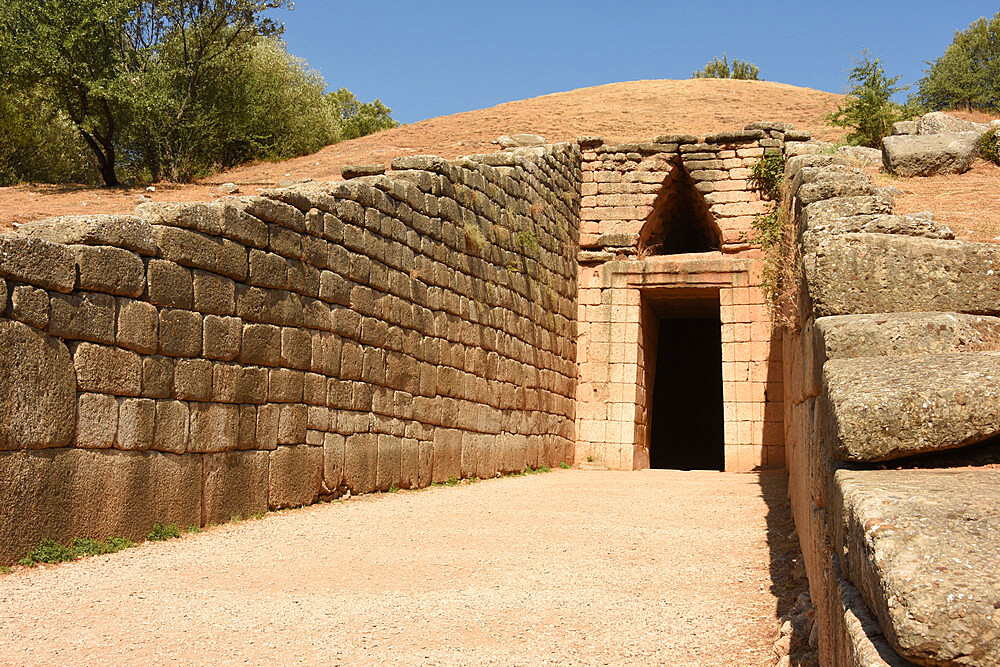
column 628, row 206
column 193, row 362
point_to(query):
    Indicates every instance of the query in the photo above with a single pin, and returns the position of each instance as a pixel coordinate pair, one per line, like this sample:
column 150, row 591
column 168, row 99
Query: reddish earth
column 620, row 112
column 570, row 567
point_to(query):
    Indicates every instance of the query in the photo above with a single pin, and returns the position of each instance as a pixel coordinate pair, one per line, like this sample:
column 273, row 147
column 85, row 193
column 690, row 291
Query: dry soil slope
column 628, row 111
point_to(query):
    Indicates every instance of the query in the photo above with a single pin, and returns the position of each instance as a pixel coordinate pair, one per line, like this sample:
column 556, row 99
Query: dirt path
column 570, row 567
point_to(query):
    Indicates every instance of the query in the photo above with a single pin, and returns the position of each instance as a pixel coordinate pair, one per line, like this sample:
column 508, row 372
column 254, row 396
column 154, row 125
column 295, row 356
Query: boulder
column 882, row 408
column 938, row 122
column 904, row 127
column 882, row 273
column 868, row 157
column 520, row 140
column 925, row 155
column 923, row 551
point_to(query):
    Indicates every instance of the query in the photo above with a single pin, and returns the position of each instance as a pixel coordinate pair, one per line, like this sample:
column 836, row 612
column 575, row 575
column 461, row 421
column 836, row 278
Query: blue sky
column 432, row 58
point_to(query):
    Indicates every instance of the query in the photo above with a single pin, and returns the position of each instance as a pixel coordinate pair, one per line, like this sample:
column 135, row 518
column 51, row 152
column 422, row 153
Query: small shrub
column 393, row 489
column 564, row 465
column 117, row 543
column 160, row 532
column 193, row 529
column 5, row 570
column 452, row 481
column 528, row 243
column 869, row 113
column 989, row 147
column 590, row 459
column 88, row 546
column 721, row 69
column 767, row 175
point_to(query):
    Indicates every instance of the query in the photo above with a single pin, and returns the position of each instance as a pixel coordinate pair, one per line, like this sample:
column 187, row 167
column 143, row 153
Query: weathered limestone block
column 157, row 377
column 295, row 476
column 285, row 385
column 257, row 304
column 83, row 316
column 938, row 122
column 198, row 251
column 239, row 384
column 96, row 421
column 292, row 423
column 271, row 210
column 120, row 231
column 360, row 462
column 110, row 270
column 214, row 427
column 170, row 285
column 193, row 380
column 138, row 326
column 136, row 423
column 171, row 431
column 37, row 389
column 923, row 552
column 296, row 348
column 247, row 436
column 830, row 210
column 388, row 465
column 30, row 305
column 880, row 273
column 221, row 218
column 874, row 224
column 214, row 294
column 268, row 270
column 235, row 484
column 858, row 640
column 67, row 493
column 447, row 454
column 836, row 180
column 221, row 337
column 261, row 345
column 924, row 155
column 898, row 334
column 180, row 333
column 108, row 370
column 38, row 263
column 880, row 408
column 268, row 417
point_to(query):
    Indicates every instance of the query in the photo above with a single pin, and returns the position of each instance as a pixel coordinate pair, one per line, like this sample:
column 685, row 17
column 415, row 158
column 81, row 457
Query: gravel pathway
column 569, row 567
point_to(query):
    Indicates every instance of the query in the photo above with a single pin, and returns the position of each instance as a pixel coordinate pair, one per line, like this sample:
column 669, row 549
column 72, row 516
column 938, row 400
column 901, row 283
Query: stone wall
column 195, row 362
column 895, row 357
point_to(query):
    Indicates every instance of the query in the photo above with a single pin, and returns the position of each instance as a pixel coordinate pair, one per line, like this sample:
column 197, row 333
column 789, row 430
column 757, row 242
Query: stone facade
column 663, row 221
column 193, row 362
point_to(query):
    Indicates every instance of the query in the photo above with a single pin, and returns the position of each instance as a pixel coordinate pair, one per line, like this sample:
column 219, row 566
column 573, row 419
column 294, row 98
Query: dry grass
column 969, row 203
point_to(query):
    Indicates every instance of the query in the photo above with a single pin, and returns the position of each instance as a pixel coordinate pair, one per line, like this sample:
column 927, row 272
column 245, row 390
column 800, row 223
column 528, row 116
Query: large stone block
column 333, row 460
column 388, row 467
column 138, row 326
column 110, row 270
column 235, row 485
column 222, row 336
column 108, row 370
column 120, row 231
column 257, row 304
column 170, row 284
column 922, row 549
column 67, row 493
column 900, row 334
column 214, row 294
column 136, row 423
column 292, row 419
column 880, row 408
column 198, row 251
column 180, row 333
column 157, row 377
column 295, row 476
column 214, row 427
column 447, row 454
column 171, row 432
column 193, row 380
column 360, row 462
column 30, row 305
column 261, row 345
column 38, row 263
column 83, row 316
column 883, row 273
column 96, row 421
column 925, row 155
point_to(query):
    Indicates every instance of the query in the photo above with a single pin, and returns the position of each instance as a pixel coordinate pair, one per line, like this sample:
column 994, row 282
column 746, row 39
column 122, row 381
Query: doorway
column 686, row 408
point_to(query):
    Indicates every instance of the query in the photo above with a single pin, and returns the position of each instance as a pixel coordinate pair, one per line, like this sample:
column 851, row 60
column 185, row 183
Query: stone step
column 881, row 408
column 880, row 273
column 591, row 465
column 923, row 548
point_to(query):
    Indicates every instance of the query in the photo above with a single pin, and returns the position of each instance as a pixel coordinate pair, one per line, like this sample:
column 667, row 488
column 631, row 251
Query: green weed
column 160, row 532
column 564, row 465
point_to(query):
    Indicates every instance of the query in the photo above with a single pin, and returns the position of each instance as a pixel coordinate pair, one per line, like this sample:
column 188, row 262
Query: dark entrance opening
column 686, row 414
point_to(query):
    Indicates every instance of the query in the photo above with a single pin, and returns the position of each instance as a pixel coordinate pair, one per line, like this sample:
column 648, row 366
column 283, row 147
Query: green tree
column 97, row 62
column 39, row 144
column 357, row 119
column 721, row 69
column 968, row 73
column 868, row 111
